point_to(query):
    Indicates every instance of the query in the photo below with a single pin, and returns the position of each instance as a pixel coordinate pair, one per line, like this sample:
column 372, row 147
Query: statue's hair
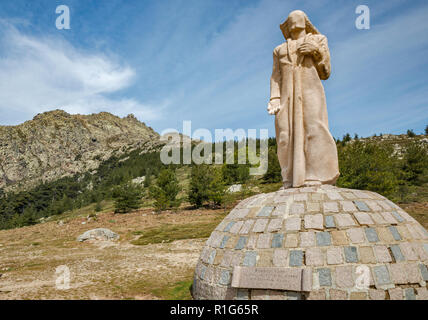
column 310, row 28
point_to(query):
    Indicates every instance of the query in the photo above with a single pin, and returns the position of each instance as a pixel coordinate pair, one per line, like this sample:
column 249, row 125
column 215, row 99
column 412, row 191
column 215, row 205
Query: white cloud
column 40, row 74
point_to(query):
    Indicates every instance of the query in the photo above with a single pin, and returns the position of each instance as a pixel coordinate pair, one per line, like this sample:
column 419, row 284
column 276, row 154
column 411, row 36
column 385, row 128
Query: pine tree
column 166, row 190
column 127, row 198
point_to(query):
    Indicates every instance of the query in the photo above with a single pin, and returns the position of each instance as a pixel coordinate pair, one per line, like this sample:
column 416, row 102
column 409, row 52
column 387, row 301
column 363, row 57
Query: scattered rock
column 235, row 188
column 98, row 234
column 139, row 180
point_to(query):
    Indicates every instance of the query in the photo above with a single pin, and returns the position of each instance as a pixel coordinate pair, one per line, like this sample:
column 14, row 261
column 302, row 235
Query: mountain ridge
column 55, row 144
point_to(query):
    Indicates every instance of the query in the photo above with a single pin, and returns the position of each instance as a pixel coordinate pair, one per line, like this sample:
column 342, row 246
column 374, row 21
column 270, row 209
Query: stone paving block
column 363, row 218
column 227, row 259
column 362, row 206
column 259, row 295
column 323, row 239
column 265, row 258
column 360, row 295
column 356, row 235
column 317, row 196
column 250, row 259
column 351, row 255
column 339, row 238
column 371, row 235
column 348, row 206
column 265, row 212
column 344, row 220
column 211, row 256
column 396, row 252
column 277, row 240
column 381, row 275
column 414, row 231
column 314, row 257
column 297, row 209
column 236, row 227
column 397, row 216
column 334, row 195
column 329, row 222
column 385, row 235
column 407, row 250
column 378, row 219
column 246, row 226
column 241, row 243
column 349, row 195
column 314, row 221
column 424, row 271
column 229, row 226
column 317, row 295
column 293, row 224
column 313, row 207
column 409, row 294
column 344, row 277
column 420, row 251
column 237, row 258
column 331, row 207
column 334, row 255
column 263, row 242
column 307, row 239
column 336, row 294
column 376, row 294
column 404, row 232
column 291, row 240
column 361, row 194
column 296, row 258
column 413, row 272
column 280, row 258
column 279, row 211
column 422, row 293
column 382, row 254
column 395, row 294
column 242, row 294
column 324, row 275
column 294, row 295
column 224, row 278
column 388, row 217
column 373, row 205
column 384, row 205
column 367, row 255
column 300, row 197
column 276, row 295
column 274, row 225
column 398, row 273
column 395, row 233
column 252, row 241
column 260, row 225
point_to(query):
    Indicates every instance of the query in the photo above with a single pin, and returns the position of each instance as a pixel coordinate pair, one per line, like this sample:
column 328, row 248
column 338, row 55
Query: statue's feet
column 286, row 185
column 312, row 183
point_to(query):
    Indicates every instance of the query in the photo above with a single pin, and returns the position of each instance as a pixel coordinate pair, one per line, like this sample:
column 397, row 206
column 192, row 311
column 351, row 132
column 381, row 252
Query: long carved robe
column 306, row 149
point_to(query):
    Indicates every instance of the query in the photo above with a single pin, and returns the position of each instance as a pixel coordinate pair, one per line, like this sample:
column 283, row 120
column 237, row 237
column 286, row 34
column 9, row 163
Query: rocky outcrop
column 56, row 144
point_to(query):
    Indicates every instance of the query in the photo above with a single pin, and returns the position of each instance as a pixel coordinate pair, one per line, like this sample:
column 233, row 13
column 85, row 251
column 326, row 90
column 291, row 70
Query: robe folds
column 306, row 150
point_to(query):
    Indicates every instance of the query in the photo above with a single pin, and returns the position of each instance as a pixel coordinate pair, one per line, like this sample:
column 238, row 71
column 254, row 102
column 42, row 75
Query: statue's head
column 297, row 20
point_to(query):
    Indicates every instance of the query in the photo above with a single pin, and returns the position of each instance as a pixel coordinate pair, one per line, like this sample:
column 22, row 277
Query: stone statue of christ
column 307, row 152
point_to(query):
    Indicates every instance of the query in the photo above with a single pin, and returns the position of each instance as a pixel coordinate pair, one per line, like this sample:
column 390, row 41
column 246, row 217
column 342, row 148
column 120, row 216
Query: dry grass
column 29, row 257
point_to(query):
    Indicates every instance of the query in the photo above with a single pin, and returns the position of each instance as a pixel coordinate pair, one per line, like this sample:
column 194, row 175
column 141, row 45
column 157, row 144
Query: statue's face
column 296, row 21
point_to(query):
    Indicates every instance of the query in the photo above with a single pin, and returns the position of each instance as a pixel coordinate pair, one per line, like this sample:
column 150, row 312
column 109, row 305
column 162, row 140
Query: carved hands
column 274, row 106
column 308, row 48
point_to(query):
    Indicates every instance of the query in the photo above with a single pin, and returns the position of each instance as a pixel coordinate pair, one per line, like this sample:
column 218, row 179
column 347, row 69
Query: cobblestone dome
column 326, row 231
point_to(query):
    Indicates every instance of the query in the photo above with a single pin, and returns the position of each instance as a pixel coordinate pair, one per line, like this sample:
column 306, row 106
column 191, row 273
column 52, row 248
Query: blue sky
column 209, row 61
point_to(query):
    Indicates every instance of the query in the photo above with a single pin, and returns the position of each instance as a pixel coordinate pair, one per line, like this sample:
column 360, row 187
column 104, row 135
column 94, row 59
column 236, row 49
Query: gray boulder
column 98, row 234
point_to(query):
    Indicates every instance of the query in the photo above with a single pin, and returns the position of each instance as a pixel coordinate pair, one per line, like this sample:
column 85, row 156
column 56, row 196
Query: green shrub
column 166, row 190
column 127, row 198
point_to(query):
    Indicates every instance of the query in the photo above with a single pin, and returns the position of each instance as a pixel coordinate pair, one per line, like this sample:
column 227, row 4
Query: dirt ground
column 30, row 256
column 100, row 270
